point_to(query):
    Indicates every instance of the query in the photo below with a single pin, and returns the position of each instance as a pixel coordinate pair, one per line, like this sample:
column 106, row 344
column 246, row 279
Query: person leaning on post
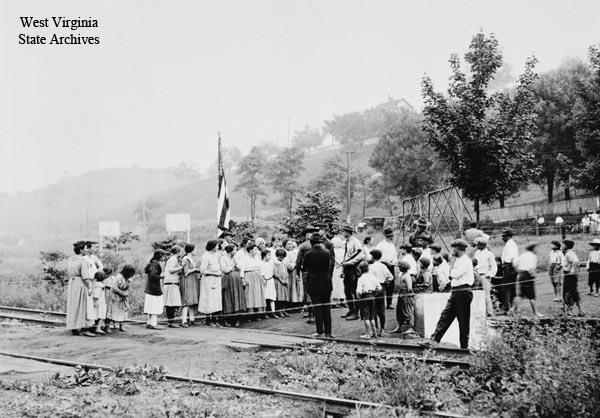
column 459, row 304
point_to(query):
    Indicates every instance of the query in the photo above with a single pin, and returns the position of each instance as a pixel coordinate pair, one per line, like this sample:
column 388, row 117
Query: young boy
column 441, row 270
column 593, row 267
column 366, row 289
column 556, row 259
column 424, row 282
column 383, row 275
column 526, row 268
column 405, row 311
column 570, row 269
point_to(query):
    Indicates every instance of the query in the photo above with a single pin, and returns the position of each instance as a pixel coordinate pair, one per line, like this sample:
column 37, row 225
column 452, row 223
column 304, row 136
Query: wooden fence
column 530, row 211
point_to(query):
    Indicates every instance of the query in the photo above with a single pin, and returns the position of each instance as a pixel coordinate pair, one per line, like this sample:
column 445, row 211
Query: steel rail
column 363, row 354
column 348, row 403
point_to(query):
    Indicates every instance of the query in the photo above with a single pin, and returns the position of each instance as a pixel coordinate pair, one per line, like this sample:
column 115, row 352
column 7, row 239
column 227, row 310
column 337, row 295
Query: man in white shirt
column 389, row 257
column 526, row 268
column 459, row 304
column 486, row 269
column 352, row 257
column 560, row 226
column 510, row 254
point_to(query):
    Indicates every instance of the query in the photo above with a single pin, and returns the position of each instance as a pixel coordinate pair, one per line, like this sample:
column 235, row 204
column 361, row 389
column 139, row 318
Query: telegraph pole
column 348, row 200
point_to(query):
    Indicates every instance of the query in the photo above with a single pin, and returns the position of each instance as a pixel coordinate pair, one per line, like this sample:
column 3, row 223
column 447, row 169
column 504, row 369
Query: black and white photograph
column 300, row 208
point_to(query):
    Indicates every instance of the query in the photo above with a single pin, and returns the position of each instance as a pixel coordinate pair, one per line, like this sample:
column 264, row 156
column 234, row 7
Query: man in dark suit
column 302, row 250
column 318, row 284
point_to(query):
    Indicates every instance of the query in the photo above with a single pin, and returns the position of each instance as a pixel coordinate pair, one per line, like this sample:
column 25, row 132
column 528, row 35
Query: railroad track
column 346, row 405
column 447, row 362
column 33, row 316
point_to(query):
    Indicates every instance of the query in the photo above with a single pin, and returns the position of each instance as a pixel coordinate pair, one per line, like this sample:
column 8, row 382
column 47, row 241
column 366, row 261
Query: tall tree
column 307, row 138
column 314, row 208
column 332, row 179
column 406, row 162
column 587, row 123
column 250, row 171
column 284, row 174
column 554, row 147
column 483, row 138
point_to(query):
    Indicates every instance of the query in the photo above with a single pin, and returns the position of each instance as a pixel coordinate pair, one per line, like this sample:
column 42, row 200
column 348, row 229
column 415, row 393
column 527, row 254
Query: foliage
column 284, row 174
column 251, row 174
column 357, row 126
column 307, row 138
column 113, row 243
column 483, row 138
column 167, row 243
column 406, row 162
column 539, row 371
column 113, row 260
column 54, row 268
column 381, row 194
column 231, row 156
column 586, row 115
column 187, row 172
column 315, row 207
column 554, row 146
column 241, row 229
column 332, row 179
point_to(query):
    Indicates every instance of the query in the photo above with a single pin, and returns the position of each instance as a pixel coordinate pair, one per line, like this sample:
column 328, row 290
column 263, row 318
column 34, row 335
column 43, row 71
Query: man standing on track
column 317, row 263
column 510, row 255
column 352, row 256
column 389, row 257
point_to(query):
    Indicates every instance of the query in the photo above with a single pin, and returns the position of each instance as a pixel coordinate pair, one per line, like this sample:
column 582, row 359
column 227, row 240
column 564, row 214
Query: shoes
column 310, row 321
column 285, row 314
column 237, row 324
column 87, row 334
column 347, row 314
column 191, row 323
column 100, row 332
column 428, row 344
column 395, row 330
column 218, row 325
column 173, row 326
column 121, row 329
column 352, row 317
column 316, row 334
column 75, row 332
column 329, row 336
column 152, row 327
column 589, row 293
column 556, row 300
column 366, row 336
column 596, row 295
column 272, row 316
column 184, row 325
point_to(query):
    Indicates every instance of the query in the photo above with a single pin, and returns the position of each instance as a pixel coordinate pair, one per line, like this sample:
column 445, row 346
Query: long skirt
column 269, row 289
column 255, row 294
column 153, row 305
column 281, row 290
column 91, row 309
column 338, row 284
column 171, row 295
column 570, row 292
column 210, row 295
column 296, row 287
column 77, row 300
column 232, row 293
column 190, row 290
column 118, row 308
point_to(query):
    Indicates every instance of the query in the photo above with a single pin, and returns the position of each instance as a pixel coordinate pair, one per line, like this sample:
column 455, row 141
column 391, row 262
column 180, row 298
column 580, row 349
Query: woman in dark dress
column 154, row 303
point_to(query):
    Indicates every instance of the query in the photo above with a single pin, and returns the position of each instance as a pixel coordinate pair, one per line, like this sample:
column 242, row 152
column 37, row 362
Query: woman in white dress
column 171, row 293
column 210, row 302
column 252, row 279
column 338, row 295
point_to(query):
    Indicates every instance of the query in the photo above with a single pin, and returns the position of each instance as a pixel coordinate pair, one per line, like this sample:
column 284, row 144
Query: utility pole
column 348, row 200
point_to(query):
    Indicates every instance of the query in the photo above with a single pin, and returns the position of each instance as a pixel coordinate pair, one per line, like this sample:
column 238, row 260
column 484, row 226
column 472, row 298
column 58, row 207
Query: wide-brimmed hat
column 459, row 243
column 348, row 228
column 422, row 222
column 388, row 232
column 531, row 245
column 596, row 241
column 159, row 253
column 507, row 232
column 309, row 228
column 315, row 237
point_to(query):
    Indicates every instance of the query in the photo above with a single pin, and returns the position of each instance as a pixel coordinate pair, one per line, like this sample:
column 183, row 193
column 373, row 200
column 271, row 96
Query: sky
column 167, row 76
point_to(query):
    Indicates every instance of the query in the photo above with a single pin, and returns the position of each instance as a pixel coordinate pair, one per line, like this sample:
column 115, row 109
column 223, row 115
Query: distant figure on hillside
column 560, row 226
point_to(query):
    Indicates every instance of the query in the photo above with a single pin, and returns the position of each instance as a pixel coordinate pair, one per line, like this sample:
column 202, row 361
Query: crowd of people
column 253, row 280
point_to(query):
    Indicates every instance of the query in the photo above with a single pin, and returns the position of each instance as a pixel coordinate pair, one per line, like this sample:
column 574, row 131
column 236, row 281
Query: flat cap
column 459, row 243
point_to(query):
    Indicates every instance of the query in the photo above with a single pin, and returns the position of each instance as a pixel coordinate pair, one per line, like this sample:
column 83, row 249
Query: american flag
column 223, row 215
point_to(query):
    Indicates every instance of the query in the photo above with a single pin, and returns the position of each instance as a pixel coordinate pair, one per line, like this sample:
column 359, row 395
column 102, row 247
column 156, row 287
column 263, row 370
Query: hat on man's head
column 309, row 228
column 569, row 243
column 596, row 241
column 388, row 232
column 159, row 253
column 436, row 247
column 459, row 243
column 507, row 232
column 406, row 246
column 315, row 237
column 348, row 228
column 484, row 239
column 556, row 243
column 422, row 222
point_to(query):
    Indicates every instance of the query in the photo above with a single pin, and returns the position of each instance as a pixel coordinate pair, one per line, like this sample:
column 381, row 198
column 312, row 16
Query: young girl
column 405, row 310
column 108, row 284
column 295, row 286
column 570, row 270
column 366, row 289
column 119, row 306
column 210, row 286
column 593, row 267
column 266, row 271
column 556, row 260
column 99, row 301
column 153, row 302
column 280, row 274
column 189, row 286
